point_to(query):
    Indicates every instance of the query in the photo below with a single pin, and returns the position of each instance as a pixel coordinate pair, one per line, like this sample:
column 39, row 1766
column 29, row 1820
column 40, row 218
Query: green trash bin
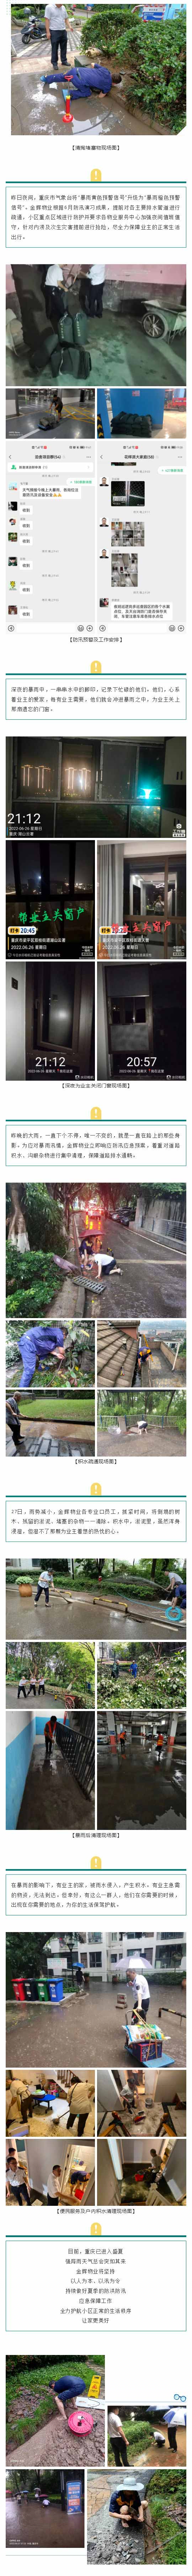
column 43, row 1990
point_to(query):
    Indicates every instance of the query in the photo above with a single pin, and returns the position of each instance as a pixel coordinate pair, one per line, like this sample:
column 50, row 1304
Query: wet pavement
column 152, row 1274
column 53, row 1699
column 88, row 1615
column 47, row 1444
column 54, row 2445
column 31, row 2525
column 52, row 1796
column 35, row 110
column 141, row 1444
column 139, row 1794
column 147, row 2457
column 88, row 2028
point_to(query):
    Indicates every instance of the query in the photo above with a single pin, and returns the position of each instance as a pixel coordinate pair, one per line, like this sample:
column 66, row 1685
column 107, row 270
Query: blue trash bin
column 56, row 1990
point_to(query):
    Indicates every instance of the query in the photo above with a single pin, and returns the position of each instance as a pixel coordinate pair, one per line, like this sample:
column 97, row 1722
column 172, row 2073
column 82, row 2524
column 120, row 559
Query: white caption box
column 37, row 1893
column 33, row 700
column 31, row 1519
column 96, row 2280
column 142, row 213
column 96, row 1144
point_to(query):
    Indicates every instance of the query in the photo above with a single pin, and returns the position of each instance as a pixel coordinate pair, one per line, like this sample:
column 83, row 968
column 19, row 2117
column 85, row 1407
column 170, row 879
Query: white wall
column 164, row 2085
column 15, row 1022
column 43, row 2153
column 108, row 2096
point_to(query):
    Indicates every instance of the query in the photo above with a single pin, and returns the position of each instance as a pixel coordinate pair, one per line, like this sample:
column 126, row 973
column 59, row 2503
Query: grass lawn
column 29, row 2401
column 64, row 1408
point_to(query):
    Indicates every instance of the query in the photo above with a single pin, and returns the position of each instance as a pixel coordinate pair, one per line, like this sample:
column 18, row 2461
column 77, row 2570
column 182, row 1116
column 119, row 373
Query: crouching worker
column 127, row 2507
column 40, row 1342
column 49, row 1734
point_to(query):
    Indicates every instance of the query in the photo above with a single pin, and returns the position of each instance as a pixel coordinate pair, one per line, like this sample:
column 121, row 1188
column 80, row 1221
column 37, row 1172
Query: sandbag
column 73, row 362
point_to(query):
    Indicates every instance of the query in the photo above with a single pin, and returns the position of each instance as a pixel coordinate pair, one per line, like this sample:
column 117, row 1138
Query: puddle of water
column 30, row 2525
column 47, row 108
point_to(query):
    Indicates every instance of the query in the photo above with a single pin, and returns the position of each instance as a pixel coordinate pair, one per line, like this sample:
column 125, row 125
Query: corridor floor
column 52, row 1796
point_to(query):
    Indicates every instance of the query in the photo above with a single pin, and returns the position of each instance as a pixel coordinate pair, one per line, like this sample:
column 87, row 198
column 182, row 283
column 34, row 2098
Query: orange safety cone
column 67, row 119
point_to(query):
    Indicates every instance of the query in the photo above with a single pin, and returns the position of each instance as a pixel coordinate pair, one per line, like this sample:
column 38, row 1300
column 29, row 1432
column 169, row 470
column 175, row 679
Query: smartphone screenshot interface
column 50, row 514
column 141, row 538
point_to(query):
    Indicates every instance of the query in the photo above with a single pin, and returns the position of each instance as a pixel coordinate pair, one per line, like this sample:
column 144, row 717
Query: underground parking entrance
column 141, row 1771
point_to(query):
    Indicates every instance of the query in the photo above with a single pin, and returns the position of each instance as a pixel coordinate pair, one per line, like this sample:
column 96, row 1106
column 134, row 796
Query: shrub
column 152, row 59
column 31, row 1281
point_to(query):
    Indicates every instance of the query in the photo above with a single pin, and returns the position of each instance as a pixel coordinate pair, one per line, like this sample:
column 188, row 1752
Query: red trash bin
column 18, row 1989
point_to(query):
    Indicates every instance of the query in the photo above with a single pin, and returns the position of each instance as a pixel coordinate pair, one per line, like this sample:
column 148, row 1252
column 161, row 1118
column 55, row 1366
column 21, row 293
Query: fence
column 78, row 1753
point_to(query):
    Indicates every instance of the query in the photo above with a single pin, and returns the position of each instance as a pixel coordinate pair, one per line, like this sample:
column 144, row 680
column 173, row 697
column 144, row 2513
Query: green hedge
column 31, row 1278
column 152, row 60
column 160, row 1684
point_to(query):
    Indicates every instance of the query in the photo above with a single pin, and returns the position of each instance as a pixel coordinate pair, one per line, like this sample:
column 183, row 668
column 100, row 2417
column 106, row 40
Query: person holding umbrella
column 173, row 2416
column 139, row 1983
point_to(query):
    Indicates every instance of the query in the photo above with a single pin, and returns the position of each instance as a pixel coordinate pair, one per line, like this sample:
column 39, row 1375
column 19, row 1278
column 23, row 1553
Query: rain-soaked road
column 86, row 1615
column 88, row 2028
column 49, row 1699
column 141, row 1444
column 35, row 110
column 150, row 1277
column 32, row 2525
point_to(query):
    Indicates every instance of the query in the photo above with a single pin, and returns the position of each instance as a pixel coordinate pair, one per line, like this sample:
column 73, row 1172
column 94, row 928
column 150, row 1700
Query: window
column 95, row 1959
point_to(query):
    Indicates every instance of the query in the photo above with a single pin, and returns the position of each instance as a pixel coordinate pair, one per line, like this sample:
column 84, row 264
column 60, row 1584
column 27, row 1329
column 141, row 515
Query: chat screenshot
column 50, row 511
column 141, row 482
